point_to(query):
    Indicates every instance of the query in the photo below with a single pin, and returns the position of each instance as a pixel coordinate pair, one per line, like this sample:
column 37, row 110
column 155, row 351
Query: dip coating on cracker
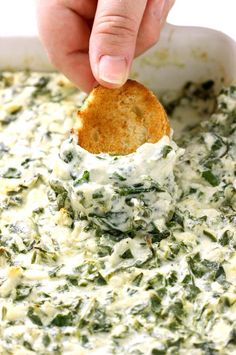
column 118, row 121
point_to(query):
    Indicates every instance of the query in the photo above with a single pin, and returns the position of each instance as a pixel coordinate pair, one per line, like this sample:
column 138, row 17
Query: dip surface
column 108, row 254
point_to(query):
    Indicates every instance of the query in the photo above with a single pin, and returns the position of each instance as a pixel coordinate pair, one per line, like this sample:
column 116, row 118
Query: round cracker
column 118, row 121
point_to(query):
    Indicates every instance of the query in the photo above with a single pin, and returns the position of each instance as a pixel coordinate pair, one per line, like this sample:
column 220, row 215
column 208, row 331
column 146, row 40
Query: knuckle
column 152, row 38
column 120, row 27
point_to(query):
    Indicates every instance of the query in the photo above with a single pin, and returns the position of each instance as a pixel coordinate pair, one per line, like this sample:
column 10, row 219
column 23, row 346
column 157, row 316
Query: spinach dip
column 104, row 254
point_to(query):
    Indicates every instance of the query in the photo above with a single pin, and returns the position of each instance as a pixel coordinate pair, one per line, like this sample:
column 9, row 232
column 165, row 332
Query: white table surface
column 17, row 17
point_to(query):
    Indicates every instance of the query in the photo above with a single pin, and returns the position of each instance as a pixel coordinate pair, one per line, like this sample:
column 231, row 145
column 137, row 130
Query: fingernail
column 113, row 69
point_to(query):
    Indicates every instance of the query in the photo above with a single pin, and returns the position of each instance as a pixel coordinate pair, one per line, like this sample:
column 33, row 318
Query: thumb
column 113, row 40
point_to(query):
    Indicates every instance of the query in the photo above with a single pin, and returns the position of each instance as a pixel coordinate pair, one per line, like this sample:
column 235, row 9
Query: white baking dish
column 182, row 54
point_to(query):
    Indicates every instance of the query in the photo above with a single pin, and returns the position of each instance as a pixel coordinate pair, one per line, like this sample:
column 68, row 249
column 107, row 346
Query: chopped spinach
column 127, row 254
column 211, row 178
column 42, row 82
column 62, row 320
column 137, row 280
column 46, row 340
column 225, row 238
column 27, row 345
column 22, row 292
column 138, row 189
column 157, row 236
column 232, row 337
column 83, row 179
column 210, row 236
column 12, row 173
column 166, row 150
column 34, row 317
column 207, row 347
column 118, row 177
column 68, row 157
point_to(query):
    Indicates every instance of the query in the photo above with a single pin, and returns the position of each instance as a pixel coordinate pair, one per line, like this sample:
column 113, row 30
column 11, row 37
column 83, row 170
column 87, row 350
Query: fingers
column 65, row 35
column 153, row 20
column 120, row 31
column 113, row 39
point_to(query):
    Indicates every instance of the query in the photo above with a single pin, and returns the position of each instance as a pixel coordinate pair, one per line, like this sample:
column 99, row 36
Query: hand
column 95, row 41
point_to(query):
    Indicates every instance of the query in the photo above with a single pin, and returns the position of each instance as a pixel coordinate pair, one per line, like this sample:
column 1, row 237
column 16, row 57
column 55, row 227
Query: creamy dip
column 123, row 195
column 105, row 254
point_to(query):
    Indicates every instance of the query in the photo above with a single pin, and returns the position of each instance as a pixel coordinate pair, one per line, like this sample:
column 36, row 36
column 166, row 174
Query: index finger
column 65, row 34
